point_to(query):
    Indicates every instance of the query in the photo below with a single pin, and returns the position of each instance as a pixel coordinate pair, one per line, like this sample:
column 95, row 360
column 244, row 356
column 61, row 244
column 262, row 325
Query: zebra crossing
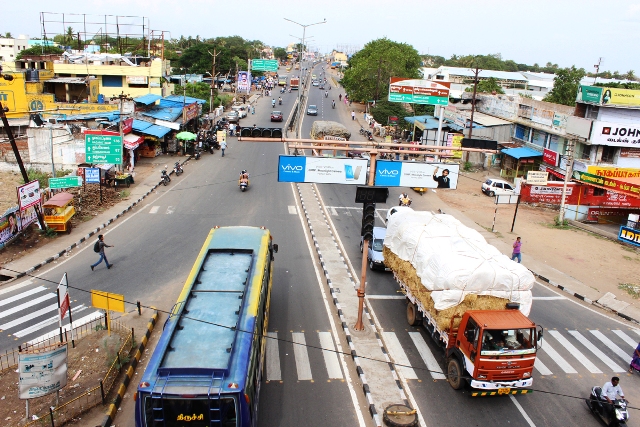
column 567, row 352
column 32, row 315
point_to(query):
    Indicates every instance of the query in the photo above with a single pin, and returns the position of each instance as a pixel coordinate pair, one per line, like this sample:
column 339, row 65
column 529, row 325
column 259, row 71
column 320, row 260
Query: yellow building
column 339, row 57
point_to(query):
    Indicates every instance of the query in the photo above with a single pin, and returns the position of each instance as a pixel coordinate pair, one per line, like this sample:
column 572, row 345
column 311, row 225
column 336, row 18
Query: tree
column 7, row 35
column 39, row 50
column 385, row 109
column 69, row 36
column 630, row 75
column 280, row 53
column 565, row 86
column 489, row 85
column 367, row 76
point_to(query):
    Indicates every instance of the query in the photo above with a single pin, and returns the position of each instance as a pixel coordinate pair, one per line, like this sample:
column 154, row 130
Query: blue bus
column 207, row 367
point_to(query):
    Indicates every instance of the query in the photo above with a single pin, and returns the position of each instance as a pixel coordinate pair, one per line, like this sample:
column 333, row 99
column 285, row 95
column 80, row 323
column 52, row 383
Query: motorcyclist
column 326, row 94
column 404, row 200
column 273, row 102
column 244, row 178
column 333, row 103
column 610, row 392
column 280, row 101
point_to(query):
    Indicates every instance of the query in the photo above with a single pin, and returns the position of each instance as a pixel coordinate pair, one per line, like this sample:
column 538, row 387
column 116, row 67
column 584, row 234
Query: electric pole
column 473, row 106
column 213, row 77
column 597, row 67
column 567, row 176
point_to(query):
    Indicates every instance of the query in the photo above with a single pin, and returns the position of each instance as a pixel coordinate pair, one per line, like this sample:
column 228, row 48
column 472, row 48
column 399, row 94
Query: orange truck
column 294, row 82
column 492, row 350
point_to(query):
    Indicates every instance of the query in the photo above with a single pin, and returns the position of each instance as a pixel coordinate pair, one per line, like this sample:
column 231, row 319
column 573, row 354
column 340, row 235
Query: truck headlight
column 526, row 375
column 482, row 377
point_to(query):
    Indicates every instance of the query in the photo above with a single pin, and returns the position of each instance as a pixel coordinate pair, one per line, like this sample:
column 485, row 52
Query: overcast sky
column 565, row 32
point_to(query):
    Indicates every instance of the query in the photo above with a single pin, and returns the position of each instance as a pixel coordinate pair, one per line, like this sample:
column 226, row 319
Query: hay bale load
column 322, row 128
column 450, row 268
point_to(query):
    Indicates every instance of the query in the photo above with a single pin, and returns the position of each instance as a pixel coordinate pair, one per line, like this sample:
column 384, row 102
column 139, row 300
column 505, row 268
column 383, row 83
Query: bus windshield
column 178, row 412
column 509, row 341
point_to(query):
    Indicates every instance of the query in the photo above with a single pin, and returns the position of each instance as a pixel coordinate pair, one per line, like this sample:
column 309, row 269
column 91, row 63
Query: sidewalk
column 147, row 177
column 603, row 296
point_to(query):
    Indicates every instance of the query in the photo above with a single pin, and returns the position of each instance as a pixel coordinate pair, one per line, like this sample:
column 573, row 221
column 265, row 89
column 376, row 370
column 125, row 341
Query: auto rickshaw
column 59, row 210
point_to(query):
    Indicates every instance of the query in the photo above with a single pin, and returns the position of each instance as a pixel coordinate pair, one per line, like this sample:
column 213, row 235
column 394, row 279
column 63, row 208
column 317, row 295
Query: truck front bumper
column 487, row 385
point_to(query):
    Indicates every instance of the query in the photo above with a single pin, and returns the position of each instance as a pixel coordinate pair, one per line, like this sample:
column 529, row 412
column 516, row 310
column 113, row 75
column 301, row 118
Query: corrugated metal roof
column 177, row 100
column 424, row 122
column 499, row 75
column 487, row 120
column 109, row 115
column 147, row 128
column 521, row 152
column 169, row 114
column 147, row 99
column 139, row 125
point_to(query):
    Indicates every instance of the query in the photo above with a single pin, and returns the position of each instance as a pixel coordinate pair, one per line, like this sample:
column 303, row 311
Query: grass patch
column 495, row 233
column 124, row 194
column 467, row 166
column 85, row 218
column 632, row 289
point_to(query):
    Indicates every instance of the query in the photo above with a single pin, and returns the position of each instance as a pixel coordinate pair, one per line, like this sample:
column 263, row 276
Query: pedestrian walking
column 635, row 360
column 223, row 146
column 353, row 115
column 99, row 248
column 517, row 245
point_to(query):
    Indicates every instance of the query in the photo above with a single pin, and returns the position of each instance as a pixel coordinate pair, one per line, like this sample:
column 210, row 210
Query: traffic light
column 246, row 132
column 255, row 132
column 368, row 220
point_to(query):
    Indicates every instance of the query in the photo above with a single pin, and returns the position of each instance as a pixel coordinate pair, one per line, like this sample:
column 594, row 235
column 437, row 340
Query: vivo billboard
column 414, row 174
column 321, row 170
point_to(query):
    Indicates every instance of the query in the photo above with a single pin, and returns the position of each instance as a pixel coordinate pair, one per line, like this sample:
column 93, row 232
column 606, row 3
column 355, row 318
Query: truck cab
column 496, row 348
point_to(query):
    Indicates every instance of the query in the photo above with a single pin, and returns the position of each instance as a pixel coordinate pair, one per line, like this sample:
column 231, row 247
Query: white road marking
column 564, row 365
column 333, row 210
column 348, row 213
column 386, row 297
column 398, row 355
column 273, row 357
column 18, row 286
column 597, row 352
column 334, row 331
column 522, row 412
column 22, row 295
column 626, row 338
column 26, row 305
column 330, row 357
column 29, row 316
column 613, row 346
column 302, row 357
column 170, row 210
column 575, row 352
column 541, row 367
column 79, row 322
column 427, row 356
column 154, row 209
column 549, row 298
column 47, row 322
column 292, row 210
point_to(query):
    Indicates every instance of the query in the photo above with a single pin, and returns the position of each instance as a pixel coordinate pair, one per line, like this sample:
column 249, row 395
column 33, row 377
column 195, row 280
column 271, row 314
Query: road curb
column 582, row 297
column 113, row 408
column 354, row 355
column 91, row 233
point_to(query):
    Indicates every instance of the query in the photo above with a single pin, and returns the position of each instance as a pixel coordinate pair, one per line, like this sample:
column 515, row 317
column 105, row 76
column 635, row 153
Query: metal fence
column 60, row 415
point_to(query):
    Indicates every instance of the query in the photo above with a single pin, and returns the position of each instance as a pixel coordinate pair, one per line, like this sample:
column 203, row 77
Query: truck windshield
column 508, row 341
column 178, row 412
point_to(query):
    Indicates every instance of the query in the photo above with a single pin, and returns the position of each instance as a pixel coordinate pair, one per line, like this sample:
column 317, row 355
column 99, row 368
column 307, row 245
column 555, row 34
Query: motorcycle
column 165, row 178
column 370, row 135
column 273, row 104
column 362, row 131
column 601, row 408
column 405, row 202
column 279, row 101
column 197, row 153
column 177, row 169
column 243, row 184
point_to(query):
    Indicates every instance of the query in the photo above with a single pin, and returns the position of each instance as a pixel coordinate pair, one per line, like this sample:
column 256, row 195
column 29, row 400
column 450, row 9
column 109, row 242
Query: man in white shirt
column 610, row 392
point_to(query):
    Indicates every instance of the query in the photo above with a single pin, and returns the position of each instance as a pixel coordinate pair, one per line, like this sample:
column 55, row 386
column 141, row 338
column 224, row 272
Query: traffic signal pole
column 359, row 326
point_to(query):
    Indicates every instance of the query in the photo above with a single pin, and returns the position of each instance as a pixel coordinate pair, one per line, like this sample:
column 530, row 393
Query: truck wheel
column 414, row 316
column 454, row 374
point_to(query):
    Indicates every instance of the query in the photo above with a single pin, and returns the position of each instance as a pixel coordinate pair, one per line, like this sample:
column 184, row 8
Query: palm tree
column 631, row 75
column 69, row 36
column 8, row 35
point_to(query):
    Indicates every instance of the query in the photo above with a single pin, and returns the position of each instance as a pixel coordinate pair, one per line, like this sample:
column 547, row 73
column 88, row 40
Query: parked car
column 374, row 253
column 312, row 110
column 492, row 187
column 276, row 116
column 233, row 116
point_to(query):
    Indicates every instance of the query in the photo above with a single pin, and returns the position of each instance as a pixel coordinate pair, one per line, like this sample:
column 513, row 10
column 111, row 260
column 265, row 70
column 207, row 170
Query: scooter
column 370, row 135
column 197, row 153
column 598, row 406
column 243, row 185
column 362, row 131
column 177, row 169
column 165, row 178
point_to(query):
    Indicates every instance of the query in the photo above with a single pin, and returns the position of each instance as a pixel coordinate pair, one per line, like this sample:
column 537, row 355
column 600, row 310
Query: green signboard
column 103, row 149
column 589, row 94
column 65, row 182
column 418, row 99
column 264, row 64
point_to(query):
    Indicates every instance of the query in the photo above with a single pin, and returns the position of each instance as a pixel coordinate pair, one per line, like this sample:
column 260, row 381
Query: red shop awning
column 131, row 141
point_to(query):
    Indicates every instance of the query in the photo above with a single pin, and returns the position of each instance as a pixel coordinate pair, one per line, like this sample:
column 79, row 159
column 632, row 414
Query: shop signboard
column 190, row 112
column 137, row 80
column 28, row 194
column 322, row 170
column 92, row 175
column 608, row 183
column 613, row 172
column 103, row 149
column 629, row 235
column 392, row 121
column 42, row 372
column 551, row 157
column 609, row 96
column 264, row 64
column 537, row 177
column 418, row 91
column 615, row 134
column 65, row 182
column 630, row 153
column 592, row 94
column 415, row 174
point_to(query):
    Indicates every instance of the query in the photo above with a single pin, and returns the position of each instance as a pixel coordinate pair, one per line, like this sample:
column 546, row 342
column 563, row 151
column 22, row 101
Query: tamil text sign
column 43, row 372
column 537, row 177
column 322, row 170
column 417, row 91
column 629, row 235
column 615, row 134
column 190, row 112
column 264, row 64
column 608, row 183
column 103, row 149
column 92, row 175
column 414, row 174
column 613, row 172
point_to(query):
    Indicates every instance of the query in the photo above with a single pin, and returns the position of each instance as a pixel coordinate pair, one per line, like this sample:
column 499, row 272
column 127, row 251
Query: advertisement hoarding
column 43, row 372
column 537, row 177
column 615, row 134
column 418, row 91
column 414, row 174
column 244, row 81
column 609, row 96
column 29, row 194
column 550, row 157
column 629, row 235
column 322, row 170
column 613, row 172
column 608, row 183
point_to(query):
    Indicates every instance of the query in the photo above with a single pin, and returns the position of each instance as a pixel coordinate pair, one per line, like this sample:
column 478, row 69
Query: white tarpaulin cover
column 453, row 260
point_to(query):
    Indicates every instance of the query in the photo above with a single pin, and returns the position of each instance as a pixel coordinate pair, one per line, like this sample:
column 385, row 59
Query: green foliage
column 467, row 166
column 39, row 50
column 385, row 109
column 280, row 53
column 565, row 86
column 367, row 76
column 49, row 232
column 564, row 224
column 526, row 95
column 634, row 86
column 198, row 90
column 485, row 62
column 489, row 85
column 223, row 99
column 232, row 54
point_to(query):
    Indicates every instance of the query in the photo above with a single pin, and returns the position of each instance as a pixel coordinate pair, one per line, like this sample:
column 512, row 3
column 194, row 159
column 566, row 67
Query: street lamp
column 304, row 30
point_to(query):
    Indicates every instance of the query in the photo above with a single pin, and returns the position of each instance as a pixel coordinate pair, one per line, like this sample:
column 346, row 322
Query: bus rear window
column 176, row 412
